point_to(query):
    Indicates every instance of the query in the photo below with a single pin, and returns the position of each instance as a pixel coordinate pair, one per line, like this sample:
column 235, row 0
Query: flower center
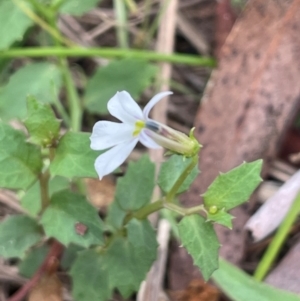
column 139, row 125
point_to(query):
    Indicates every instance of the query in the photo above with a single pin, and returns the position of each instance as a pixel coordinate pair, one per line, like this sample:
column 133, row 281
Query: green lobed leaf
column 33, row 261
column 135, row 189
column 233, row 188
column 129, row 259
column 115, row 216
column 172, row 169
column 200, row 240
column 221, row 217
column 41, row 123
column 42, row 80
column 123, row 265
column 74, row 157
column 17, row 235
column 69, row 256
column 129, row 74
column 77, row 7
column 90, row 278
column 239, row 286
column 31, row 201
column 20, row 162
column 13, row 23
column 67, row 211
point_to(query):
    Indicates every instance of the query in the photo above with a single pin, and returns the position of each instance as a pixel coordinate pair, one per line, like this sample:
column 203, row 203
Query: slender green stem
column 278, row 240
column 132, row 6
column 44, row 11
column 144, row 211
column 108, row 53
column 73, row 97
column 36, row 19
column 121, row 16
column 156, row 22
column 184, row 211
column 170, row 196
column 44, row 187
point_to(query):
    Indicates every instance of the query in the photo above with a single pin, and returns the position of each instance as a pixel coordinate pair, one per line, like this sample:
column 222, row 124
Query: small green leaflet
column 66, row 212
column 74, row 157
column 200, row 240
column 17, row 235
column 41, row 123
column 131, row 75
column 20, row 162
column 13, row 23
column 234, row 187
column 239, row 286
column 221, row 217
column 42, row 80
column 172, row 169
column 135, row 189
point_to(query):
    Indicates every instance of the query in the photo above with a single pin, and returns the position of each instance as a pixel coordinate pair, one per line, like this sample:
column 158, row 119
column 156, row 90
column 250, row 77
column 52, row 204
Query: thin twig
column 54, row 254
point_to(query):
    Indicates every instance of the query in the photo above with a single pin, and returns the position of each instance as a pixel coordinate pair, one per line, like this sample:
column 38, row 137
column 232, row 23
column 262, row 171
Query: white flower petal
column 153, row 101
column 147, row 141
column 123, row 107
column 107, row 134
column 113, row 158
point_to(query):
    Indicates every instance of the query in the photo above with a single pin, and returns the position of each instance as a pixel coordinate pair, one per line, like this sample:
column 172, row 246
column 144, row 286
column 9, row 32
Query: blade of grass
column 194, row 60
column 121, row 17
column 277, row 242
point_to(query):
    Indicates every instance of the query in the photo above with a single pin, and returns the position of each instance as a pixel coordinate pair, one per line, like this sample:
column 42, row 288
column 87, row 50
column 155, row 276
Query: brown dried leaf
column 101, row 193
column 49, row 288
column 198, row 290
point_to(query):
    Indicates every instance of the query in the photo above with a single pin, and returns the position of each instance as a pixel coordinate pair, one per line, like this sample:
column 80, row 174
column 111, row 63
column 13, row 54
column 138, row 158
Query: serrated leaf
column 90, row 278
column 42, row 80
column 77, row 7
column 172, row 169
column 74, row 157
column 17, row 235
column 69, row 256
column 201, row 242
column 233, row 188
column 129, row 260
column 41, row 123
column 31, row 201
column 20, row 162
column 13, row 23
column 33, row 261
column 66, row 211
column 135, row 189
column 221, row 217
column 239, row 286
column 130, row 74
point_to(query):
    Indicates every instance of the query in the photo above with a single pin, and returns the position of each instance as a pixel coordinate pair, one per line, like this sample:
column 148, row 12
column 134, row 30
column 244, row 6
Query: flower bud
column 175, row 141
